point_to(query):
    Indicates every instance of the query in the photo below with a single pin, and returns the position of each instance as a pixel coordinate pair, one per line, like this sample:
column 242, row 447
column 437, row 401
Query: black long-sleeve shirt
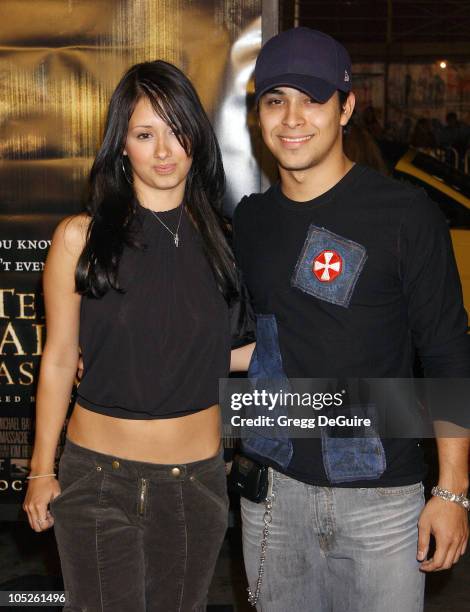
column 361, row 280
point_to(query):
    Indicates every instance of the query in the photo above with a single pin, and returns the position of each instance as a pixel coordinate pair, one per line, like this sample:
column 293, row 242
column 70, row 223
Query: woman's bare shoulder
column 71, row 233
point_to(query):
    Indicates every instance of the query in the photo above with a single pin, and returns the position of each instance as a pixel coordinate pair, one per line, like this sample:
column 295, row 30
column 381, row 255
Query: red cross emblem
column 327, row 266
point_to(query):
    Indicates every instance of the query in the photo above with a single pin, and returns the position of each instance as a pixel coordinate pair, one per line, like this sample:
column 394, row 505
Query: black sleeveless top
column 157, row 350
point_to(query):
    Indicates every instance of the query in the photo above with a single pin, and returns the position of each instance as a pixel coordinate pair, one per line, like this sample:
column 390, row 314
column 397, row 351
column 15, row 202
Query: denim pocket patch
column 357, row 457
column 350, row 459
column 329, row 266
column 266, row 372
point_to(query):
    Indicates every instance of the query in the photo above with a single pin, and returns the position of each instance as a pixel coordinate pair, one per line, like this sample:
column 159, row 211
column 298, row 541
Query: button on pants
column 137, row 536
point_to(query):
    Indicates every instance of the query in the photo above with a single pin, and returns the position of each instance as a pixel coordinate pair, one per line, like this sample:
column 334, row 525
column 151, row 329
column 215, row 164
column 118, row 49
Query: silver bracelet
column 39, row 476
column 453, row 497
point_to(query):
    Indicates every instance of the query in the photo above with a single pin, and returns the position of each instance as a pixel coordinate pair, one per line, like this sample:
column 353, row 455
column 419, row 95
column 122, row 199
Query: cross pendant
column 177, row 240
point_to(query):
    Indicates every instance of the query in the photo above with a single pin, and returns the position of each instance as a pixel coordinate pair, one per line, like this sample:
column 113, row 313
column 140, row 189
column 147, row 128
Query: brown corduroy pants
column 135, row 536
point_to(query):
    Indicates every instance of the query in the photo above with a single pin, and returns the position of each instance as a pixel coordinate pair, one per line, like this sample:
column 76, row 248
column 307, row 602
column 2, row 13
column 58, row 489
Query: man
column 352, row 273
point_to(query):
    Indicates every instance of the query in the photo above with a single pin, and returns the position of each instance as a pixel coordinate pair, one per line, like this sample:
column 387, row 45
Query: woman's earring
column 124, row 171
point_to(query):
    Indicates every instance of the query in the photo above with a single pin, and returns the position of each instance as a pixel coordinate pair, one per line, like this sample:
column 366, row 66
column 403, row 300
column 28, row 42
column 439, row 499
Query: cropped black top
column 157, row 350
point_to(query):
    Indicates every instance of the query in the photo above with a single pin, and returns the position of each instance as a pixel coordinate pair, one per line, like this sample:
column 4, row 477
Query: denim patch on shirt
column 347, row 459
column 329, row 266
column 350, row 459
column 266, row 373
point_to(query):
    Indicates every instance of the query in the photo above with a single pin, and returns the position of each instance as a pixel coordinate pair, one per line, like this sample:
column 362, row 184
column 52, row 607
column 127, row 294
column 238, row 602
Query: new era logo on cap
column 305, row 59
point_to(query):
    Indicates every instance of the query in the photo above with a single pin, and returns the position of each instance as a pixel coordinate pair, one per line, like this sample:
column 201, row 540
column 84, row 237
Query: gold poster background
column 60, row 61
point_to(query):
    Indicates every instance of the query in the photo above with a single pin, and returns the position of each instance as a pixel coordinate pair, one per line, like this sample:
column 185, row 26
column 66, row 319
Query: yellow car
column 450, row 188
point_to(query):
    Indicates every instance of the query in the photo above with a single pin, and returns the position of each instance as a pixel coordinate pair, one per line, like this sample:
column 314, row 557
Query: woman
column 141, row 284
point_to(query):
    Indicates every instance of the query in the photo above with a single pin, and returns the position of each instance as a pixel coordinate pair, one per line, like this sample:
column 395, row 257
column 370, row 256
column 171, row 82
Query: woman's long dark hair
column 112, row 203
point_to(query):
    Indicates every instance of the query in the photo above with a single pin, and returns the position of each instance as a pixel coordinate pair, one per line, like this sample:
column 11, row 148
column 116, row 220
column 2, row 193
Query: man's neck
column 306, row 185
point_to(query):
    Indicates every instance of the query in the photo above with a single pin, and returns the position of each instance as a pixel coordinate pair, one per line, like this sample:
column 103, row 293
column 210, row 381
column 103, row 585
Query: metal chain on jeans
column 267, row 519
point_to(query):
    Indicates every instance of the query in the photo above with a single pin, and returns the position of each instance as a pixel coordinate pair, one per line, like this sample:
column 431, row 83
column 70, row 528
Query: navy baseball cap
column 304, row 59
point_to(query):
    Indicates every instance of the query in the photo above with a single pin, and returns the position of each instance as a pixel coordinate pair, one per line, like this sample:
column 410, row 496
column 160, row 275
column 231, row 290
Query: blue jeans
column 138, row 536
column 333, row 549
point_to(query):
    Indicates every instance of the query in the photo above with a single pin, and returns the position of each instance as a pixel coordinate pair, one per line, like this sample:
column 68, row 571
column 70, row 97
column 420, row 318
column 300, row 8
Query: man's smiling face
column 299, row 131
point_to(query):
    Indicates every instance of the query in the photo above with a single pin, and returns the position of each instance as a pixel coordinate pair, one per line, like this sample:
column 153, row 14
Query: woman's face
column 159, row 163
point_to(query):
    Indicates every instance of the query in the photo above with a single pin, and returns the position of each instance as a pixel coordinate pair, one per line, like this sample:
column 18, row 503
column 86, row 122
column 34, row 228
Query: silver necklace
column 175, row 234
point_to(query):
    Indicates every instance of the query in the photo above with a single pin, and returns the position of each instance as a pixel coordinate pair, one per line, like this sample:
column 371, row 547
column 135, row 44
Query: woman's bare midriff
column 178, row 440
